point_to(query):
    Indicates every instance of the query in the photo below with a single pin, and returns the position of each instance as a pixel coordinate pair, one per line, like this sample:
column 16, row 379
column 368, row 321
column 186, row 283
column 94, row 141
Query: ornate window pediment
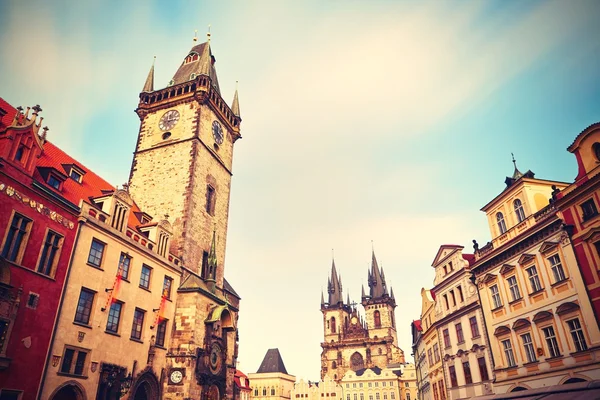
column 547, row 246
column 506, row 268
column 521, row 323
column 502, row 330
column 542, row 316
column 566, row 308
column 489, row 278
column 526, row 258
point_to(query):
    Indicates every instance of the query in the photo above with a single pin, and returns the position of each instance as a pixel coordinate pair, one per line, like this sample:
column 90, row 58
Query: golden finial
column 208, row 34
column 195, row 35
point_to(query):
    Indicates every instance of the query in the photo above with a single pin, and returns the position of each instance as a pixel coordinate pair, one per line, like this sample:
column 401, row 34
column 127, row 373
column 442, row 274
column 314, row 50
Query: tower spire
column 334, row 287
column 149, row 84
column 235, row 104
column 212, row 262
column 516, row 174
column 376, row 282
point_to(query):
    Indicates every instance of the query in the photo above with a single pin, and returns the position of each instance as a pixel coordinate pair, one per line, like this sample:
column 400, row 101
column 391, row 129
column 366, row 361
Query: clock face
column 215, row 359
column 176, row 376
column 168, row 120
column 217, row 132
column 354, row 320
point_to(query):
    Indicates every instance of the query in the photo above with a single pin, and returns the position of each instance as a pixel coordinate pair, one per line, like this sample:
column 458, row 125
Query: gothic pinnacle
column 235, row 105
column 149, row 85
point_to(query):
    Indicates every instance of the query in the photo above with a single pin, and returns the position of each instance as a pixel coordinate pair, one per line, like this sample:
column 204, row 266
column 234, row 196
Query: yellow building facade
column 328, row 389
column 118, row 306
column 436, row 388
column 539, row 317
column 397, row 382
column 271, row 381
column 463, row 342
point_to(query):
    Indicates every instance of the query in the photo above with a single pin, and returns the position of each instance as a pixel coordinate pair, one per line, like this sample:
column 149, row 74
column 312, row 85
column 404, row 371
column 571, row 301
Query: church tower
column 354, row 340
column 183, row 165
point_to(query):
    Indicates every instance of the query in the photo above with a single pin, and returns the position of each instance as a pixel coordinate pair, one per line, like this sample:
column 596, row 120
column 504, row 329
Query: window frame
column 496, row 298
column 534, row 278
column 149, row 268
column 528, row 347
column 501, row 223
column 124, row 272
column 109, row 316
column 161, row 331
column 101, row 258
column 50, row 259
column 446, row 335
column 137, row 325
column 452, row 373
column 211, row 199
column 460, row 335
column 551, row 341
column 509, row 354
column 556, row 268
column 73, row 361
column 577, row 335
column 588, row 209
column 473, row 324
column 483, row 367
column 14, row 237
column 55, row 178
column 519, row 210
column 91, row 307
column 513, row 288
column 468, row 376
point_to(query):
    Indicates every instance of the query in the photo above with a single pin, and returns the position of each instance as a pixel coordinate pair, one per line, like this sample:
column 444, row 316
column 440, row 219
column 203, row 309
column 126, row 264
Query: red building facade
column 579, row 206
column 38, row 226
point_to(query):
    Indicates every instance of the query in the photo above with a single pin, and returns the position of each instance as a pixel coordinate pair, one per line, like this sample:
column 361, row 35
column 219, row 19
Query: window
column 377, row 394
column 534, row 279
column 76, row 176
column 84, row 306
column 435, row 392
column 50, row 253
column 577, row 334
column 32, row 301
column 393, row 395
column 483, row 371
column 551, row 341
column 495, row 296
column 460, row 293
column 467, row 370
column 501, row 223
column 589, row 209
column 19, row 153
column 73, row 361
column 161, row 332
column 436, row 352
column 459, row 333
column 429, row 357
column 16, row 238
column 210, row 200
column 508, row 353
column 528, row 347
column 557, row 269
column 446, row 301
column 54, row 182
column 124, row 262
column 514, row 288
column 114, row 315
column 96, row 252
column 452, row 372
column 377, row 317
column 332, row 325
column 474, row 327
column 145, row 276
column 204, row 272
column 272, row 391
column 6, row 394
column 446, row 338
column 167, row 283
column 519, row 210
column 407, row 395
column 453, row 298
column 138, row 323
column 264, row 391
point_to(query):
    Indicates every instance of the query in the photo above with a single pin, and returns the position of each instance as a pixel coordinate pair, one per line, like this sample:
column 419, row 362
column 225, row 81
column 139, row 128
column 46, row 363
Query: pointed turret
column 212, row 263
column 363, row 292
column 517, row 174
column 392, row 293
column 235, row 104
column 199, row 61
column 376, row 282
column 149, row 85
column 348, row 301
column 334, row 287
column 322, row 299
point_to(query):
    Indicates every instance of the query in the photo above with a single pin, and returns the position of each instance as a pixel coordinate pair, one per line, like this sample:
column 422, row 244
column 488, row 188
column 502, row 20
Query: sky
column 366, row 124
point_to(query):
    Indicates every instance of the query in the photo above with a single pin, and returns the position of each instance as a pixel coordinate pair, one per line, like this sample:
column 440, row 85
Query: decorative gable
column 521, row 323
column 444, row 251
column 488, row 278
column 547, row 246
column 526, row 258
column 506, row 269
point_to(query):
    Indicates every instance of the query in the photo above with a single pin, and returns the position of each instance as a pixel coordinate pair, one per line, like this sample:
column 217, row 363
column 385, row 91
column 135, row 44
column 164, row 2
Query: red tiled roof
column 470, row 258
column 92, row 185
column 417, row 323
column 239, row 374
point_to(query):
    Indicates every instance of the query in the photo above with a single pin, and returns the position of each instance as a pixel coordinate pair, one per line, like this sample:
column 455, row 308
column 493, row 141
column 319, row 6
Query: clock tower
column 182, row 165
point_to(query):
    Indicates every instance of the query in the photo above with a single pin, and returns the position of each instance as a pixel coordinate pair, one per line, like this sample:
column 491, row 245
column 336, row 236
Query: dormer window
column 191, row 58
column 75, row 175
column 54, row 181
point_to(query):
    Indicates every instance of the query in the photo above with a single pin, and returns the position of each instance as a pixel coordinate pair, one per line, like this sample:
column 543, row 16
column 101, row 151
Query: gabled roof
column 583, row 133
column 272, row 363
column 204, row 65
column 443, row 247
column 229, row 288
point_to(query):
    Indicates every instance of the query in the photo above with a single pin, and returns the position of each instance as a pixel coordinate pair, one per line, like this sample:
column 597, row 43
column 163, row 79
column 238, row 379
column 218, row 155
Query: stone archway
column 146, row 387
column 69, row 390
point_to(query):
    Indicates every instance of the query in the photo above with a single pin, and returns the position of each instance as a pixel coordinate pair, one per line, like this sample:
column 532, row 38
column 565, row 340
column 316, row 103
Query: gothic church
column 353, row 341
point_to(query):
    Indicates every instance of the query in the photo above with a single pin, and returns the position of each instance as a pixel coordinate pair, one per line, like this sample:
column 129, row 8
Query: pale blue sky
column 382, row 120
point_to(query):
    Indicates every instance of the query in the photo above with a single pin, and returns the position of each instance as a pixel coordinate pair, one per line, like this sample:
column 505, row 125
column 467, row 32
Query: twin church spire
column 378, row 289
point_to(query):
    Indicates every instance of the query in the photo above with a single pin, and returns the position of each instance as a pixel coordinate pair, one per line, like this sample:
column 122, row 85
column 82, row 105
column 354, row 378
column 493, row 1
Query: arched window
column 332, row 324
column 519, row 210
column 377, row 319
column 501, row 223
column 333, row 365
column 256, row 392
column 356, row 361
column 273, row 391
column 264, row 391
